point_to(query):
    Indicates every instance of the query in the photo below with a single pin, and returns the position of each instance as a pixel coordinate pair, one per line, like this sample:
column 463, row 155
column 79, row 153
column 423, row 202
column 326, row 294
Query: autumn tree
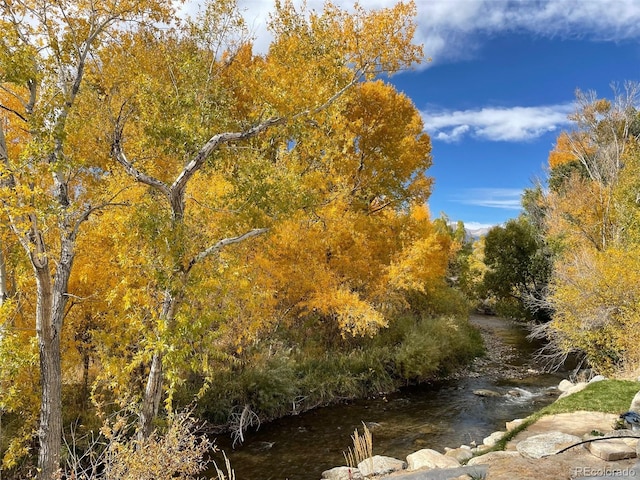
column 590, row 214
column 222, row 138
column 49, row 188
column 585, row 166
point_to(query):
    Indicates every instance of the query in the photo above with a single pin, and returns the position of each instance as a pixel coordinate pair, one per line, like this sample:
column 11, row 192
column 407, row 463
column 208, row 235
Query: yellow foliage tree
column 597, row 307
column 265, row 125
column 48, row 186
column 198, row 144
column 591, row 217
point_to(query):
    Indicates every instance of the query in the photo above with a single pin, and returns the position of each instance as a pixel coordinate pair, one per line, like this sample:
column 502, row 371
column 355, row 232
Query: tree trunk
column 51, row 301
column 4, row 289
column 153, row 390
column 50, row 429
column 151, row 399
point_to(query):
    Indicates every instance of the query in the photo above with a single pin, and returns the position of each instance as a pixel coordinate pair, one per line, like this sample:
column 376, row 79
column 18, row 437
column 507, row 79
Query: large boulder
column 546, row 444
column 380, row 465
column 427, row 458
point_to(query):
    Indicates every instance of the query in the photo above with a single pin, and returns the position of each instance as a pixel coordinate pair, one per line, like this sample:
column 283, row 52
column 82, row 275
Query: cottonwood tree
column 585, row 166
column 590, row 214
column 216, row 134
column 49, row 187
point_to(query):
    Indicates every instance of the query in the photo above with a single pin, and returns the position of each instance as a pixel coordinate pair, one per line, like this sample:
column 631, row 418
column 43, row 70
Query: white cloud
column 496, row 123
column 452, row 29
column 502, row 198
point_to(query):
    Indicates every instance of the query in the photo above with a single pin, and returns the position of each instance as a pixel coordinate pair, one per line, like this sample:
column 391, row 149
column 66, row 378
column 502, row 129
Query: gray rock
column 545, row 444
column 483, row 392
column 575, row 389
column 380, row 465
column 477, row 472
column 460, row 454
column 597, row 378
column 342, row 473
column 427, row 458
column 514, row 424
column 611, row 450
column 494, row 438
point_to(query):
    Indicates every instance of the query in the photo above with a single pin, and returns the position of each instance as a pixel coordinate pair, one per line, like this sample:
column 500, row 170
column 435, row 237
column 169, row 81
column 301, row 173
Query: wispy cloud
column 451, row 29
column 503, row 198
column 513, row 124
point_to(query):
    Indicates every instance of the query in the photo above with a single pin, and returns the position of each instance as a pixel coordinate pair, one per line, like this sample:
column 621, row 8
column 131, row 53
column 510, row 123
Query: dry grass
column 362, row 447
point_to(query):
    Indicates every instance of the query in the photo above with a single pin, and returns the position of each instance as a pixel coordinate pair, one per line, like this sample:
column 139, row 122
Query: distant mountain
column 476, row 233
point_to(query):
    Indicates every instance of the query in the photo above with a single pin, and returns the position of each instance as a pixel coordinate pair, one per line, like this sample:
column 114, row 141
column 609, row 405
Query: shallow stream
column 444, row 413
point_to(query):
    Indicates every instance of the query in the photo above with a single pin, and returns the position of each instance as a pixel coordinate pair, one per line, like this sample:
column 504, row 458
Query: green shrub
column 281, row 377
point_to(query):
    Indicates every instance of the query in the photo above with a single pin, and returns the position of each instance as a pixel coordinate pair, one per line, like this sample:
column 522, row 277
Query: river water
column 443, row 413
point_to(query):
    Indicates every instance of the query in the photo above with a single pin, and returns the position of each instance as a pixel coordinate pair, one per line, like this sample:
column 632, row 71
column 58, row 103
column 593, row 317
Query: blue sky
column 500, row 85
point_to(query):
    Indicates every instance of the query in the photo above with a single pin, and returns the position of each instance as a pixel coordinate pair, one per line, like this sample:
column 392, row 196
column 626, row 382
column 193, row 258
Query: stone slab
column 489, row 458
column 611, row 450
column 555, row 467
column 577, row 423
column 546, row 444
column 476, row 471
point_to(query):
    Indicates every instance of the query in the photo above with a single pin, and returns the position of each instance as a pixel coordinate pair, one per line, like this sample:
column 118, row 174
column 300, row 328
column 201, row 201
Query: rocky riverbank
column 531, row 453
column 536, row 452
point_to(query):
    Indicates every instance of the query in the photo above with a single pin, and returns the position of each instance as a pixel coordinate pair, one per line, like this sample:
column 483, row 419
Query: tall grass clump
column 362, row 448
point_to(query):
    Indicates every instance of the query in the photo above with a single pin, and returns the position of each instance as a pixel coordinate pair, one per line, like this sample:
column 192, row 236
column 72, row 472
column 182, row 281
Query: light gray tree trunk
column 153, row 390
column 50, row 429
column 50, row 306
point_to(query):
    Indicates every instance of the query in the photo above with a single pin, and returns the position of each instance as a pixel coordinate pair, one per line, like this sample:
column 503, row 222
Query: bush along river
column 504, row 385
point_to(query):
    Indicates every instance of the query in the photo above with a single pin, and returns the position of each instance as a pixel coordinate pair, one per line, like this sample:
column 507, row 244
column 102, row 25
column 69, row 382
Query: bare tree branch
column 223, row 243
column 214, row 142
column 179, row 185
column 118, row 154
column 15, row 112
